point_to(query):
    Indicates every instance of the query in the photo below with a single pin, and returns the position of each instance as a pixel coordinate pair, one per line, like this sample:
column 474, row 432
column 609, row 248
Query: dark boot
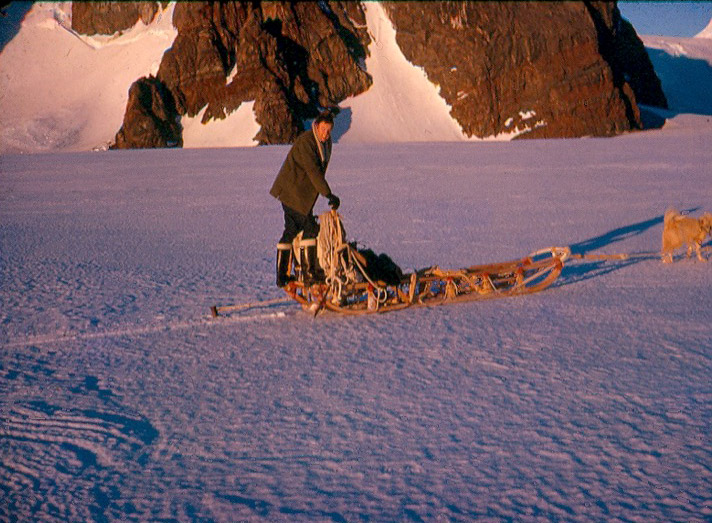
column 311, row 271
column 284, row 251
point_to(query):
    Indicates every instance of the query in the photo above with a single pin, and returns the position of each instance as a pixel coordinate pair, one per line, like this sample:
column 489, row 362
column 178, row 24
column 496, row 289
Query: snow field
column 121, row 400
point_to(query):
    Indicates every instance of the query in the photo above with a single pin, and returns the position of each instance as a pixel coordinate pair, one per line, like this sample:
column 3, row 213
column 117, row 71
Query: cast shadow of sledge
column 587, row 269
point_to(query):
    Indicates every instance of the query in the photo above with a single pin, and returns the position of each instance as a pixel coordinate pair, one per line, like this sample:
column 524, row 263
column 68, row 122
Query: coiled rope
column 340, row 270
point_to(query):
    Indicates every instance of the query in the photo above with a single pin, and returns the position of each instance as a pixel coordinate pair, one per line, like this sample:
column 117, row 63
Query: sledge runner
column 359, row 282
column 297, row 186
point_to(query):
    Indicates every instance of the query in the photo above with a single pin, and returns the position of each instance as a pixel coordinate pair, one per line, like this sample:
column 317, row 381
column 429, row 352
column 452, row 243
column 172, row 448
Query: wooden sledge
column 348, row 288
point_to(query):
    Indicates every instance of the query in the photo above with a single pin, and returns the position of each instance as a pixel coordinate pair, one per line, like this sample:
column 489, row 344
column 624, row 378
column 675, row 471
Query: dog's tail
column 670, row 215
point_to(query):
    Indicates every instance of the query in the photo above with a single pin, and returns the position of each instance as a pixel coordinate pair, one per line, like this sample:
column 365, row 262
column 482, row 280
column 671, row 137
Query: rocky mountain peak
column 109, row 17
column 290, row 58
column 544, row 69
column 556, row 69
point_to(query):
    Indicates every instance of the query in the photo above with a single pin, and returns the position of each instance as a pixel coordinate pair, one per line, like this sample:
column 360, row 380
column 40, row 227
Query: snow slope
column 684, row 66
column 238, row 129
column 66, row 92
column 120, row 400
column 706, row 32
column 402, row 105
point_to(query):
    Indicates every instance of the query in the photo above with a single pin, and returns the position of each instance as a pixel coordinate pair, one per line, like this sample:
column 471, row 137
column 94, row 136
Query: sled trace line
column 46, row 339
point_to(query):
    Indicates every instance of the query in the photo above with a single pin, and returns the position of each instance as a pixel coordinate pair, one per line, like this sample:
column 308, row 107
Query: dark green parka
column 303, row 174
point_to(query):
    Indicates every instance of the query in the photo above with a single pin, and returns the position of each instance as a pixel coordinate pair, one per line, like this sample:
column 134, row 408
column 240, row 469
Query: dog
column 679, row 230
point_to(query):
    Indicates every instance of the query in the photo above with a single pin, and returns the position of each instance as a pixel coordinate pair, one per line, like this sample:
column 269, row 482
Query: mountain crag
column 529, row 69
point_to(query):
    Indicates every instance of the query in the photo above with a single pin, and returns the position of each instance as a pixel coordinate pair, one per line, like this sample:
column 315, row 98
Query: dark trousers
column 294, row 222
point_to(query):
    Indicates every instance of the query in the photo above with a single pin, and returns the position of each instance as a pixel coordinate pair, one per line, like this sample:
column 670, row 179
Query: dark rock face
column 291, row 58
column 633, row 61
column 497, row 63
column 556, row 69
column 151, row 119
column 92, row 18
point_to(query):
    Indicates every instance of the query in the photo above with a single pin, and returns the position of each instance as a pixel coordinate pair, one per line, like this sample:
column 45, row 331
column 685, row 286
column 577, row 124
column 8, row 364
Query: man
column 298, row 185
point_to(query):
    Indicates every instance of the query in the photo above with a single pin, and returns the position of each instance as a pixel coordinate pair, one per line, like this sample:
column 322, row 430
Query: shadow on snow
column 11, row 17
column 588, row 269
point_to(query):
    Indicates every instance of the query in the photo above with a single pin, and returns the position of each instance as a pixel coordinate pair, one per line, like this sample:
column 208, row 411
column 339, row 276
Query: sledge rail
column 408, row 296
column 216, row 310
column 348, row 287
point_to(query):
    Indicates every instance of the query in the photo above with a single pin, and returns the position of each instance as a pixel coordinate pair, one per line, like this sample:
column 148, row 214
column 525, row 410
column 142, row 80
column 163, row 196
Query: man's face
column 323, row 131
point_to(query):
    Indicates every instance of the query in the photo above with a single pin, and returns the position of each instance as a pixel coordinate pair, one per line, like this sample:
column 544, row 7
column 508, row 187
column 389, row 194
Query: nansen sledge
column 359, row 282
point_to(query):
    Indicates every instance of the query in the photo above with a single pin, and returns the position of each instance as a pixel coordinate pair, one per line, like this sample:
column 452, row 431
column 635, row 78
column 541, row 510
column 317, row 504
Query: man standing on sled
column 299, row 182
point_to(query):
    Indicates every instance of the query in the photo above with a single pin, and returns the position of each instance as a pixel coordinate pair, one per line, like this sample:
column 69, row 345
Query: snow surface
column 121, row 400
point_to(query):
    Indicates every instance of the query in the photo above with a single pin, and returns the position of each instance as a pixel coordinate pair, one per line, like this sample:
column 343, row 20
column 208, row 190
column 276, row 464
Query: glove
column 334, row 201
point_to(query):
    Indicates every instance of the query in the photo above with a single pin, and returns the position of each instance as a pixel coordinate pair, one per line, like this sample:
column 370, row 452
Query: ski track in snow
column 120, row 400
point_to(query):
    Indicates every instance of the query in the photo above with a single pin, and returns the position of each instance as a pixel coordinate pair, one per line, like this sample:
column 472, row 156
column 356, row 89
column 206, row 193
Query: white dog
column 679, row 230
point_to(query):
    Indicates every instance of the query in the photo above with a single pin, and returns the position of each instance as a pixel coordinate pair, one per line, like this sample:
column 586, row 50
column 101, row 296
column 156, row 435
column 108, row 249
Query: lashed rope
column 341, row 263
